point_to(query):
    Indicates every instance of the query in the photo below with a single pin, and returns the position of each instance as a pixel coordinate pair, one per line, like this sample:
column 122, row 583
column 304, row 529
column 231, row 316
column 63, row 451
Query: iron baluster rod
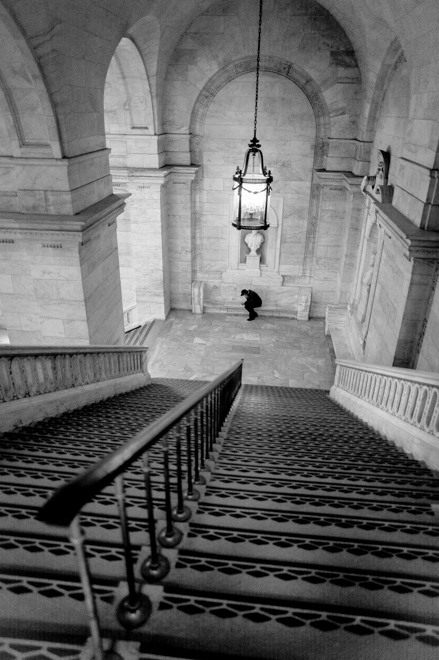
column 211, row 405
column 170, row 535
column 208, row 425
column 181, row 513
column 156, row 566
column 202, row 465
column 199, row 479
column 192, row 494
column 77, row 540
column 135, row 608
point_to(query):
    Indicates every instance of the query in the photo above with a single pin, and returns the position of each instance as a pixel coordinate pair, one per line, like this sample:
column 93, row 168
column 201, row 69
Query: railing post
column 135, row 608
column 169, row 536
column 156, row 566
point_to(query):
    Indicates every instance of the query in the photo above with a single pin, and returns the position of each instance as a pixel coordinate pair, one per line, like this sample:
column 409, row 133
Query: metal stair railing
column 195, row 423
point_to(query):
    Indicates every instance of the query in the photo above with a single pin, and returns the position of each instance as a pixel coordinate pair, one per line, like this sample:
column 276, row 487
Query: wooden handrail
column 67, row 501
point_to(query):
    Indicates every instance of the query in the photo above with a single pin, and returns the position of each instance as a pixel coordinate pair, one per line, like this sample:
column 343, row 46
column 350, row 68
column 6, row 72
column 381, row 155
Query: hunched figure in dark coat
column 252, row 301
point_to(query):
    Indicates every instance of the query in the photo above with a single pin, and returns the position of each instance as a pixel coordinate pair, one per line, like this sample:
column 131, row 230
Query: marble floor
column 276, row 351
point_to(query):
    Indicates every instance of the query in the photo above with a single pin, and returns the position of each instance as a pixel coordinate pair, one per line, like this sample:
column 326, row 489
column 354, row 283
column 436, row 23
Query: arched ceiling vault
column 74, row 42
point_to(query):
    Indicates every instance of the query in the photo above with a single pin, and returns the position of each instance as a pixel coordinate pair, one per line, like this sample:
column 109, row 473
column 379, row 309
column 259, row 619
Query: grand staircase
column 313, row 538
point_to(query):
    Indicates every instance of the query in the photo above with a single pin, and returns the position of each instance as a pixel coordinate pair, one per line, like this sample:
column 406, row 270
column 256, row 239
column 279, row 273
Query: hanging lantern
column 253, row 183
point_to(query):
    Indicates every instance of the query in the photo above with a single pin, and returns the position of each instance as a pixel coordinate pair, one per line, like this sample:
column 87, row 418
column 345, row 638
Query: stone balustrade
column 27, row 371
column 405, row 398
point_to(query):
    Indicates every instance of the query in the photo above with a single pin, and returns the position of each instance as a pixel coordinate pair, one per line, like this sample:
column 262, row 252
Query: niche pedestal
column 252, row 265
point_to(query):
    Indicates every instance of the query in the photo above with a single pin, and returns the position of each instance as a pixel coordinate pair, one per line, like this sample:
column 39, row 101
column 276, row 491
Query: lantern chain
column 257, row 67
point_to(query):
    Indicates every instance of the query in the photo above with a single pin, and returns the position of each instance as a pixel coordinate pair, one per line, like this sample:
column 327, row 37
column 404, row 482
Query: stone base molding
column 401, row 404
column 39, row 382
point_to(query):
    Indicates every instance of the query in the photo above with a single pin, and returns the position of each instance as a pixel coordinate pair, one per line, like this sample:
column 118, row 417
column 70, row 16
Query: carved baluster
column 6, row 382
column 69, row 370
column 76, row 370
column 156, row 566
column 41, row 377
column 49, row 368
column 169, row 536
column 89, row 368
column 30, row 373
column 18, row 377
column 180, row 513
column 135, row 608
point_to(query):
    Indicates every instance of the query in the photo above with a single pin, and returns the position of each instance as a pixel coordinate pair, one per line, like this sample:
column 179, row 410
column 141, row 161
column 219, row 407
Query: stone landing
column 276, row 351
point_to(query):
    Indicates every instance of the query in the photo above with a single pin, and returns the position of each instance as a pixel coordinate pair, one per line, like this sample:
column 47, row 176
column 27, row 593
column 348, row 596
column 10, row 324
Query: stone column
column 148, row 209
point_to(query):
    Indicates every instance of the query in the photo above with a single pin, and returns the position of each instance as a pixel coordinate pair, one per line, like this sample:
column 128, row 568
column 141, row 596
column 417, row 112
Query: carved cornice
column 140, row 176
column 61, row 226
column 338, row 178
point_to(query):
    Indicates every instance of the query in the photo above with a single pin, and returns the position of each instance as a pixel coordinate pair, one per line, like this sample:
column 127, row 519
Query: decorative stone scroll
column 30, row 371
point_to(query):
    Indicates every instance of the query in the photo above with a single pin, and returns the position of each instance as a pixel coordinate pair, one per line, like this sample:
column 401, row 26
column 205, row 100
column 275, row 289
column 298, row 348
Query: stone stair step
column 304, row 486
column 318, row 549
column 42, row 603
column 279, row 629
column 44, row 553
column 340, row 526
column 379, row 470
column 402, row 593
column 17, row 519
column 310, row 503
column 231, row 473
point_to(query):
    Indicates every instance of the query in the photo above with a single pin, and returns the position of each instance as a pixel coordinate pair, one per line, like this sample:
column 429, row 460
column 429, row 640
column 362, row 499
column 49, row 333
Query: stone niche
column 257, row 269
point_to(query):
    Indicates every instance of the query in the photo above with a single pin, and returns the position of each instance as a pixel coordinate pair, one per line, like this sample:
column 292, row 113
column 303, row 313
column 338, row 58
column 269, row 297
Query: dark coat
column 253, row 299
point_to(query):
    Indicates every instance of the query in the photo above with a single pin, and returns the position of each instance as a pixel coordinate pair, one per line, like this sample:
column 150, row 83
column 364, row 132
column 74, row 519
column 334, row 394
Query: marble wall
column 41, row 294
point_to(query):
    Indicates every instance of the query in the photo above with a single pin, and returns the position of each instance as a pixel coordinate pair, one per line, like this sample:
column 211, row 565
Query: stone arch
column 34, row 130
column 272, row 65
column 127, row 93
column 392, row 59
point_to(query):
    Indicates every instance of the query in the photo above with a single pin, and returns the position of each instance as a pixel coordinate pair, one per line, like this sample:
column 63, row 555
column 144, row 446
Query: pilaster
column 149, row 227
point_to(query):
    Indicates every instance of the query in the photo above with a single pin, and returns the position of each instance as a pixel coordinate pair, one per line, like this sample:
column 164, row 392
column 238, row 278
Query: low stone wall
column 402, row 404
column 37, row 382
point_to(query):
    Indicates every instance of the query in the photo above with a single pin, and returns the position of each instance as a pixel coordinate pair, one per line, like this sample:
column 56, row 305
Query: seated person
column 252, row 300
